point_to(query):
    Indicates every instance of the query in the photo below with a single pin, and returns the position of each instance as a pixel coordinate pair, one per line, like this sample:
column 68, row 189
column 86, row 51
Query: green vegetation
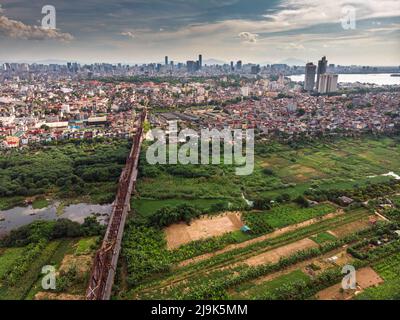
column 44, row 231
column 323, row 237
column 69, row 169
column 252, row 291
column 7, row 259
column 144, row 251
column 11, row 202
column 193, row 249
column 25, row 270
column 147, row 207
column 40, row 204
column 280, row 169
column 86, row 245
column 73, row 271
column 35, row 245
column 389, row 270
column 284, row 215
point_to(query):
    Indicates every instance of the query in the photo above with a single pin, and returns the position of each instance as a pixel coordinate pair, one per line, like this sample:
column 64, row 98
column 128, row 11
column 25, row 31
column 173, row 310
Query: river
column 378, row 79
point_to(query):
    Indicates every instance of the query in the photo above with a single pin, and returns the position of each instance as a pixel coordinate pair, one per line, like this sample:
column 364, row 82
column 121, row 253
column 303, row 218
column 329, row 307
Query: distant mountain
column 293, row 62
column 52, row 61
column 289, row 61
column 211, row 62
column 48, row 61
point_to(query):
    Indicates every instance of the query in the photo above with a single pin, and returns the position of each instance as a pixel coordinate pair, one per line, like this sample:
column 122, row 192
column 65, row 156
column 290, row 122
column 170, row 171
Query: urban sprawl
column 42, row 103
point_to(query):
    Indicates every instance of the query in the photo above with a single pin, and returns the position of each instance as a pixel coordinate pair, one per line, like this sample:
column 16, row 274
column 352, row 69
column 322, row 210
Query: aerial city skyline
column 200, row 150
column 262, row 32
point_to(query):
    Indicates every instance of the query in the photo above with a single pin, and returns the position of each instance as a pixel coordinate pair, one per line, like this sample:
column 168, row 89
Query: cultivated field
column 292, row 250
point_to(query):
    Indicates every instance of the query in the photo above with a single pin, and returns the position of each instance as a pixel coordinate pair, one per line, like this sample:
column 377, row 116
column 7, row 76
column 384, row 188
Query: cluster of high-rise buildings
column 325, row 82
column 191, row 65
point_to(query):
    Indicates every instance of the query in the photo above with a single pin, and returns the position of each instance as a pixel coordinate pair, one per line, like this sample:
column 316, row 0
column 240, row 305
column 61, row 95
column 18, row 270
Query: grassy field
column 86, row 246
column 40, row 204
column 279, row 169
column 24, row 284
column 53, row 254
column 284, row 215
column 323, row 237
column 8, row 256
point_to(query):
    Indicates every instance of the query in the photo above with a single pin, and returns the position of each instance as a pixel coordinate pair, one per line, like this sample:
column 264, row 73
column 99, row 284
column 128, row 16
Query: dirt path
column 271, row 235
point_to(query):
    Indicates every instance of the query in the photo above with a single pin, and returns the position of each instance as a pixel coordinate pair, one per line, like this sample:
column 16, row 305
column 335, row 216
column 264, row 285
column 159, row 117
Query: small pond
column 19, row 216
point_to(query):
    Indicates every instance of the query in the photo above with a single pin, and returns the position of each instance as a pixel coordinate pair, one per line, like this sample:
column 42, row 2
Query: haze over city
column 286, row 31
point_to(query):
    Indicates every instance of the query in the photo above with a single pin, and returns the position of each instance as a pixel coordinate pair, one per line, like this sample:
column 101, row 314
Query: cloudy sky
column 261, row 31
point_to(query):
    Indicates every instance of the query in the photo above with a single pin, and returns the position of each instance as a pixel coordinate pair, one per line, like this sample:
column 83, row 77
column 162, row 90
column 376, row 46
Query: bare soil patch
column 271, row 235
column 205, row 227
column 366, row 278
column 56, row 296
column 350, row 228
column 275, row 255
column 82, row 263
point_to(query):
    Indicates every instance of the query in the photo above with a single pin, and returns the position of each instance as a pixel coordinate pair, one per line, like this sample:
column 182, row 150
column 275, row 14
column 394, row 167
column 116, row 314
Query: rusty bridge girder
column 105, row 261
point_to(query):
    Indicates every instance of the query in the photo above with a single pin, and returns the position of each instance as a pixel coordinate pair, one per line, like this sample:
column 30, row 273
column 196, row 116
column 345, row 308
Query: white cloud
column 18, row 30
column 295, row 14
column 129, row 34
column 248, row 37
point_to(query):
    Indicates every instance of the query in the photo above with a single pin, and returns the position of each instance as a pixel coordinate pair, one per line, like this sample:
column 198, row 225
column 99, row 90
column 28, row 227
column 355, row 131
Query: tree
column 302, row 201
column 262, row 204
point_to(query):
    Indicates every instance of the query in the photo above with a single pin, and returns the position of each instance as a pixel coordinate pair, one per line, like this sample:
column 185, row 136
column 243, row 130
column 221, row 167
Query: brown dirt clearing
column 366, row 278
column 205, row 227
column 271, row 235
column 82, row 263
column 275, row 255
column 57, row 296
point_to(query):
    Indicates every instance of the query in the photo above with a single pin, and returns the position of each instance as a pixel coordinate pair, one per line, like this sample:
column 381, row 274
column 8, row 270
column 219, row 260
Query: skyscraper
column 309, row 81
column 200, row 61
column 191, row 66
column 166, row 60
column 322, row 66
column 328, row 83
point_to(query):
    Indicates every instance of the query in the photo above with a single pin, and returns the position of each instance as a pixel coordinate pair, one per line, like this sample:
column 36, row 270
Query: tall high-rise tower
column 166, row 60
column 200, row 61
column 309, row 81
column 322, row 66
